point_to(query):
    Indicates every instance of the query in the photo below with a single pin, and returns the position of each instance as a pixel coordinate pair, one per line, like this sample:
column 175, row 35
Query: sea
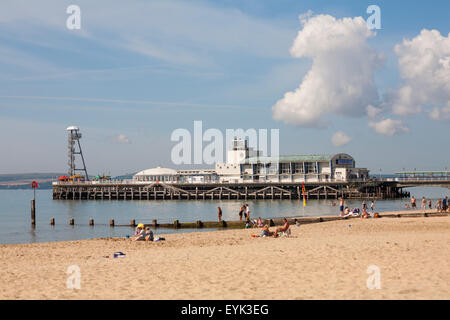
column 15, row 216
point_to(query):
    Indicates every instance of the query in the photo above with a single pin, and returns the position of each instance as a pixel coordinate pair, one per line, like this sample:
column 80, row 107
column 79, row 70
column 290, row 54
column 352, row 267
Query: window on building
column 298, row 167
column 285, row 167
column 310, row 167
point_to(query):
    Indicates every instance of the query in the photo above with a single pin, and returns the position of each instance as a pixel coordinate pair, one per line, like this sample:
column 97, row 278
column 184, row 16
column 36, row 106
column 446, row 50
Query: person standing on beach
column 430, row 204
column 219, row 213
column 247, row 212
column 241, row 212
column 364, row 205
column 444, row 204
column 341, row 207
column 423, row 206
column 372, row 206
column 439, row 205
column 413, row 203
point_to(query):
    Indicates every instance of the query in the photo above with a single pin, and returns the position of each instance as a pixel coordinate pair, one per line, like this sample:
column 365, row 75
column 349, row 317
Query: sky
column 136, row 71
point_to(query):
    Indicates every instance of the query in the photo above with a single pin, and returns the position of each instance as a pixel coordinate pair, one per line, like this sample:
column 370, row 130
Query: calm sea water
column 15, row 213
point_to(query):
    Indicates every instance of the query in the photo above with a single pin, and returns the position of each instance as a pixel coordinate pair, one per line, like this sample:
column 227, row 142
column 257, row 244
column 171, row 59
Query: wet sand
column 326, row 260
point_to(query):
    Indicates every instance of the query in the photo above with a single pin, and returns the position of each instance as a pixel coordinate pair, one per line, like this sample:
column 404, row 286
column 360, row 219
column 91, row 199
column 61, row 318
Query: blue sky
column 145, row 68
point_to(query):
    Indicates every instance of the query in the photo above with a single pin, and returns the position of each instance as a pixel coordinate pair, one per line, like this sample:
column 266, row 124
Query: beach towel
column 119, row 254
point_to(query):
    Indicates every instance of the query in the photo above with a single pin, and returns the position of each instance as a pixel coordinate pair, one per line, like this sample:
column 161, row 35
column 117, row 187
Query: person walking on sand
column 372, row 206
column 413, row 203
column 219, row 213
column 423, row 206
column 247, row 212
column 430, row 204
column 341, row 206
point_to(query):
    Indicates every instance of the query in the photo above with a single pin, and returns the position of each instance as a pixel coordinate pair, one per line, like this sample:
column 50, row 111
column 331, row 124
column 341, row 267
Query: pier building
column 244, row 164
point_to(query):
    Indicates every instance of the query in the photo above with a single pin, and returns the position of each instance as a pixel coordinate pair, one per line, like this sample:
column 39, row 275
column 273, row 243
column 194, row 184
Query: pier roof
column 157, row 171
column 290, row 158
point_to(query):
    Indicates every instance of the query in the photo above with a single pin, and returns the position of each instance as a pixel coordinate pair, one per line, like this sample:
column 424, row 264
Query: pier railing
column 144, row 183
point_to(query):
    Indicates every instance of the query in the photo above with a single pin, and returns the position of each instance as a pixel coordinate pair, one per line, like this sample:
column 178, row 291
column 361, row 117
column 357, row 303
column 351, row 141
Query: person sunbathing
column 148, row 234
column 284, row 228
column 139, row 233
column 265, row 232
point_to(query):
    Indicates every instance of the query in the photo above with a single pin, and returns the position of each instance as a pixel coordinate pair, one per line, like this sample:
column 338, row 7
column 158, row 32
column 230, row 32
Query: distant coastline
column 22, row 181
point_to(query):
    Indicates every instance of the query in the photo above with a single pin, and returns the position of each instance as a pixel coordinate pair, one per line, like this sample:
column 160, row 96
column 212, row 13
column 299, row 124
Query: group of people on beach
column 441, row 205
column 346, row 211
column 145, row 234
column 244, row 213
column 141, row 234
column 265, row 231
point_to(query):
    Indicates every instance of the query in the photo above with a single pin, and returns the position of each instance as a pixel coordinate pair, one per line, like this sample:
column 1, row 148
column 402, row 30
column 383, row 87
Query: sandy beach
column 326, row 260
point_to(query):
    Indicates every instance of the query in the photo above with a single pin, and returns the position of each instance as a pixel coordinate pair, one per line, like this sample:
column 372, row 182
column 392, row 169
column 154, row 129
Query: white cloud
column 121, row 138
column 388, row 127
column 340, row 138
column 424, row 64
column 340, row 81
column 373, row 112
column 442, row 114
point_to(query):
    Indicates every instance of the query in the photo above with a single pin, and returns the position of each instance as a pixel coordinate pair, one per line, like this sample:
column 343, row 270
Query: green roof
column 290, row 158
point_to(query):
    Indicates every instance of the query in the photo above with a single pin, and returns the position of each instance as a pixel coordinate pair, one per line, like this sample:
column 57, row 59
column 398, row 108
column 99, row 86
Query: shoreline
column 238, row 225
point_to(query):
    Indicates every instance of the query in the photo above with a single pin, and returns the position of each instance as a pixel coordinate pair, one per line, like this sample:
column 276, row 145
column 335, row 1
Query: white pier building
column 245, row 165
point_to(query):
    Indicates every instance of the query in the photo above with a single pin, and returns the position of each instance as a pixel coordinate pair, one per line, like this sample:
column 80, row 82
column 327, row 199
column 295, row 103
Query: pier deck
column 120, row 190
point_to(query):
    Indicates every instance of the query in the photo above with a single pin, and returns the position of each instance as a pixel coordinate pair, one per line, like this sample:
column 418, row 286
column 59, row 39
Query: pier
column 131, row 190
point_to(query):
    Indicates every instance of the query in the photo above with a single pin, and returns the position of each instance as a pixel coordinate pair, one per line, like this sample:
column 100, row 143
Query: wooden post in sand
column 33, row 213
column 34, row 186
